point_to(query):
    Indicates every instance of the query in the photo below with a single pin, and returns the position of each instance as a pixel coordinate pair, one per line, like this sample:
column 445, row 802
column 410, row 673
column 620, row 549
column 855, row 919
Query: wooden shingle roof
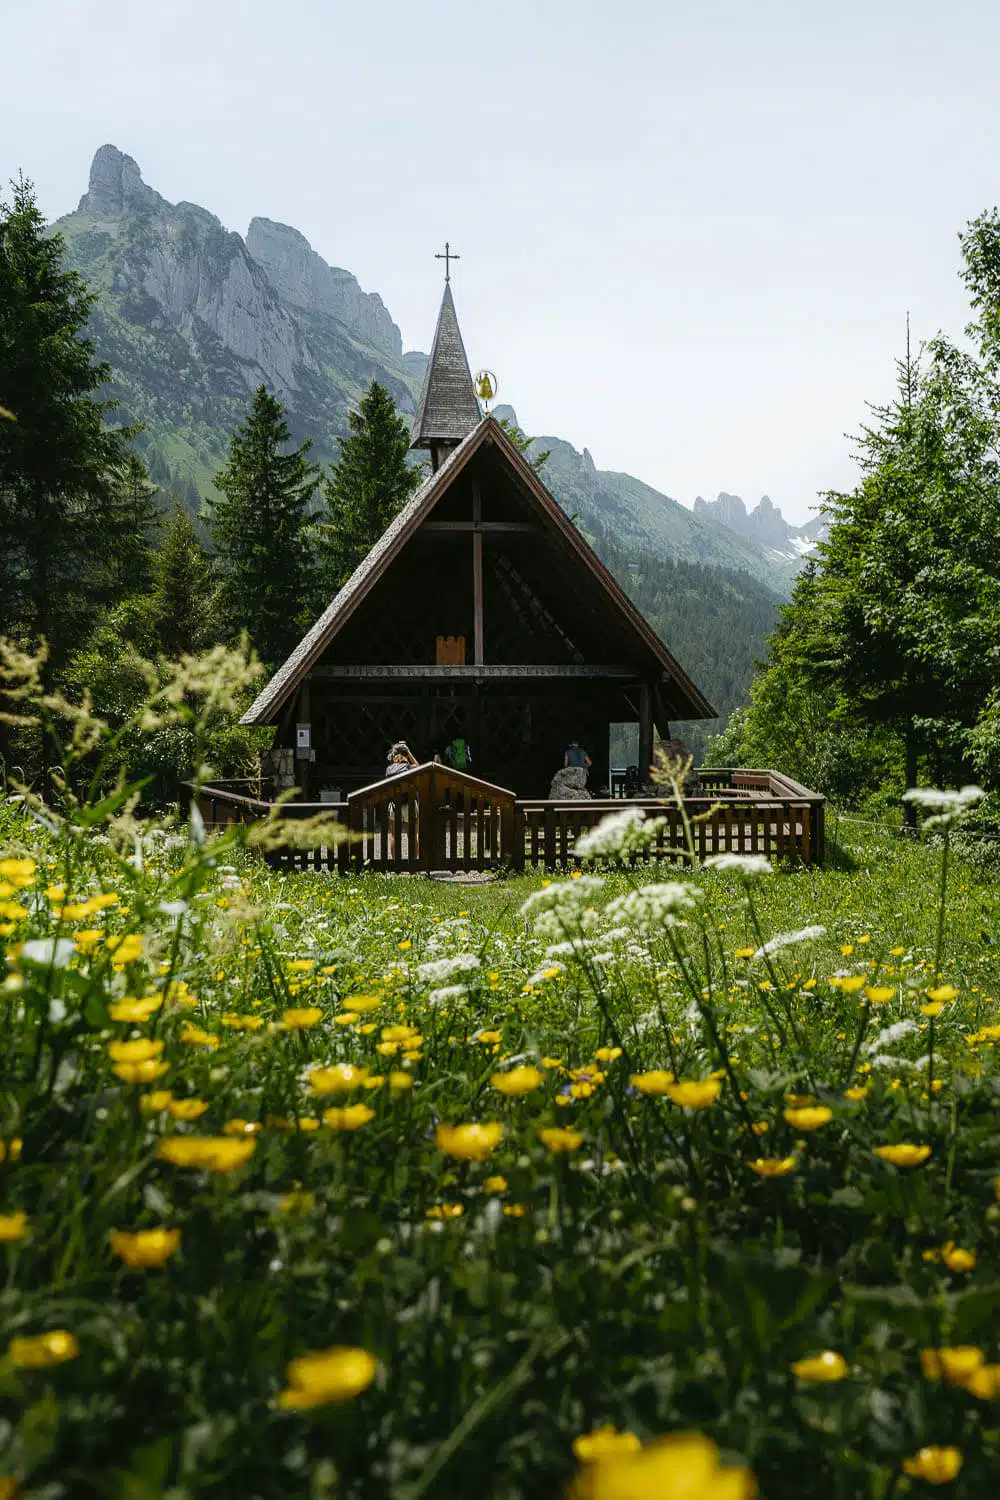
column 687, row 701
column 448, row 409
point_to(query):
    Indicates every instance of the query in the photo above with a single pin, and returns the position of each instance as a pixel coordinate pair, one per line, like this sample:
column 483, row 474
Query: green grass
column 648, row 1278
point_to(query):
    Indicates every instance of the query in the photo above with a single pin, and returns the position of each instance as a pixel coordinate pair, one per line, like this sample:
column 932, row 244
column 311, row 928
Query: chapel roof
column 448, row 409
column 686, row 700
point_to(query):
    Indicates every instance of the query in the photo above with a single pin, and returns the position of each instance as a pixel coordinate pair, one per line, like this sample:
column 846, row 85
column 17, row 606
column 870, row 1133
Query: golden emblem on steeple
column 486, row 387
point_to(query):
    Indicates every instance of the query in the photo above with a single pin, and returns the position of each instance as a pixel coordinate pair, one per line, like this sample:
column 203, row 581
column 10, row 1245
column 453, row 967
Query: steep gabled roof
column 692, row 704
column 448, row 409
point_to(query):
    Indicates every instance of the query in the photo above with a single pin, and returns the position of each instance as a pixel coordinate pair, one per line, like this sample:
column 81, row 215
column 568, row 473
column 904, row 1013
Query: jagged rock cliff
column 765, row 526
column 192, row 317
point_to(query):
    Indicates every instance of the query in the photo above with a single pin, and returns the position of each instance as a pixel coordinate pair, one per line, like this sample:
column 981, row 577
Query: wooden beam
column 429, row 672
column 477, row 573
column 645, row 731
column 445, row 528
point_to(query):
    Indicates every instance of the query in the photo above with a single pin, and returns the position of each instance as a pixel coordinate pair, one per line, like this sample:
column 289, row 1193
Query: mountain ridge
column 193, row 316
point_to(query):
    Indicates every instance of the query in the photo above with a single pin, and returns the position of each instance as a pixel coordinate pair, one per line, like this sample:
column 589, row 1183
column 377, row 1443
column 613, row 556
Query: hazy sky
column 689, row 233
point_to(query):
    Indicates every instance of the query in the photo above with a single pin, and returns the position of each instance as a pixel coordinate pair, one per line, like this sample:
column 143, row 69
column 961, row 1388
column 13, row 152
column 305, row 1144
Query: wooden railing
column 431, row 818
column 436, row 818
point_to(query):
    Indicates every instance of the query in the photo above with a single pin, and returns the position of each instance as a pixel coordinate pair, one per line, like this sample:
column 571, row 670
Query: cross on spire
column 448, row 256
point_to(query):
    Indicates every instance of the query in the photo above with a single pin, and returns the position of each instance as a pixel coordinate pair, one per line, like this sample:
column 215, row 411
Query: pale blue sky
column 689, row 233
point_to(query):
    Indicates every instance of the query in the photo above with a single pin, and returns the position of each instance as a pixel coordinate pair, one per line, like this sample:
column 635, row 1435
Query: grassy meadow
column 372, row 1187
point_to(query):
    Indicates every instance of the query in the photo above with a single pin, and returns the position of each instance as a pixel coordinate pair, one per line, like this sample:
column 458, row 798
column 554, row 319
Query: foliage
column 366, row 488
column 523, row 443
column 259, row 526
column 135, row 530
column 715, row 621
column 63, row 472
column 509, row 1165
column 183, row 604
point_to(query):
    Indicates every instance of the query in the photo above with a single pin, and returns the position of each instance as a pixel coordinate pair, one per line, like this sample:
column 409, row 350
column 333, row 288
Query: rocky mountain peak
column 303, row 278
column 116, row 187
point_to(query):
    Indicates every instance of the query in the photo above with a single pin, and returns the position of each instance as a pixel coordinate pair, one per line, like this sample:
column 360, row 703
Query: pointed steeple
column 448, row 408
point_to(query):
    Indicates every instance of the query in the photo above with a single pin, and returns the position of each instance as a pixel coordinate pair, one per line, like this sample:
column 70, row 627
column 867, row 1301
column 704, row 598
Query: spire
column 448, row 408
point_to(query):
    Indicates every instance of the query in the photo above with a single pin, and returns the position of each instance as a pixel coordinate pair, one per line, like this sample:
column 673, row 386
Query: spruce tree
column 182, row 594
column 258, row 526
column 61, row 466
column 139, row 523
column 368, row 486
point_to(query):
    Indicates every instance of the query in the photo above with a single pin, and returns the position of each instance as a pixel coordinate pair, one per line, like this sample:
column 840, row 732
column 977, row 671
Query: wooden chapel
column 481, row 612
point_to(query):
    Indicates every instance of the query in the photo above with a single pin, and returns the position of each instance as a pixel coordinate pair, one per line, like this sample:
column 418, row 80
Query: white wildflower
column 446, row 968
column 619, row 834
column 745, row 864
column 563, row 895
column 575, row 947
column 892, row 1034
column 446, row 994
column 789, row 939
column 653, row 906
column 52, row 952
column 946, row 807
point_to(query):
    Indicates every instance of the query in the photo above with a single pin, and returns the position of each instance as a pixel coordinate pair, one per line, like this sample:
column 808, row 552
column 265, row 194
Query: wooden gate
column 431, row 818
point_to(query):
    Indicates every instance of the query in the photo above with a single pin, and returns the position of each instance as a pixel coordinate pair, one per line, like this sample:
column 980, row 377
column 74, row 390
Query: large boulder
column 570, row 784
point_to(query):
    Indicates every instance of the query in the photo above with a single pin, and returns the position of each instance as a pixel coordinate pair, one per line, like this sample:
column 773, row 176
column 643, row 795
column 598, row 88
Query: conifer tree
column 368, row 486
column 258, row 527
column 139, row 522
column 61, row 466
column 182, row 594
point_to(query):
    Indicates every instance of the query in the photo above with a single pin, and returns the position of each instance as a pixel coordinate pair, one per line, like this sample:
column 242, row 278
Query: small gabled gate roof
column 691, row 702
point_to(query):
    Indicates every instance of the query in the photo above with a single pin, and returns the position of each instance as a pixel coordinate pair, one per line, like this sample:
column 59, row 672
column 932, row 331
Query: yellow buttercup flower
column 212, row 1153
column 348, row 1117
column 20, row 872
column 133, row 1009
column 821, row 1368
column 156, row 1102
column 954, row 1364
column 857, row 1093
column 683, row 1467
column 558, row 1140
column 517, row 1081
column 468, row 1142
column 302, row 965
column 9, row 1487
column 943, row 993
column 400, row 1082
column 655, row 1082
column 12, row 1227
column 327, row 1376
column 195, row 1036
column 495, row 1185
column 146, row 1247
column 984, row 1383
column 878, row 994
column 364, row 1003
column 957, row 1259
column 903, row 1155
column 340, row 1078
column 11, row 1150
column 695, row 1094
column 936, row 1465
column 773, row 1166
column 141, row 1072
column 139, row 1050
column 243, row 1127
column 124, row 950
column 445, row 1211
column 43, row 1350
column 607, row 1054
column 299, row 1020
column 604, row 1442
column 810, row 1118
column 186, row 1109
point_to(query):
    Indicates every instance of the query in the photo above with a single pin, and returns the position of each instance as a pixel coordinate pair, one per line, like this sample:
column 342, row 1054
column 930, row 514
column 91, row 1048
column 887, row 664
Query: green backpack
column 460, row 755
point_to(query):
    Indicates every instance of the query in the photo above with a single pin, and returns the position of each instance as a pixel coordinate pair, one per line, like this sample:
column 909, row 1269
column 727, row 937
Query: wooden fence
column 436, row 818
